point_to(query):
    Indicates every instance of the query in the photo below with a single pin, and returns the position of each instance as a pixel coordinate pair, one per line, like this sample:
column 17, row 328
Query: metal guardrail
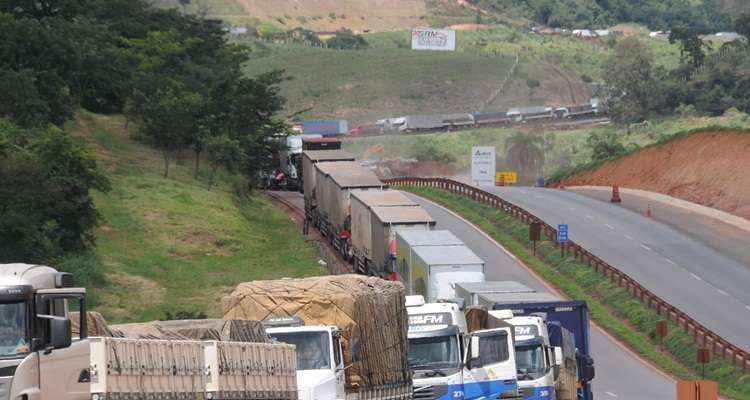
column 701, row 335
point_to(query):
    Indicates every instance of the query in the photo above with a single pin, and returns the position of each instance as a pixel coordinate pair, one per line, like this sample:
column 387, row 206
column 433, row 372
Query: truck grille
column 430, row 392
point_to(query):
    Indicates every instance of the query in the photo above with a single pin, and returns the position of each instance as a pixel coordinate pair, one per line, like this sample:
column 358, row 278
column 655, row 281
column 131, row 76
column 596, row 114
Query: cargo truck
column 309, row 159
column 350, row 332
column 567, row 325
column 40, row 359
column 333, row 185
column 376, row 217
column 323, row 127
column 470, row 292
column 431, row 263
column 450, row 362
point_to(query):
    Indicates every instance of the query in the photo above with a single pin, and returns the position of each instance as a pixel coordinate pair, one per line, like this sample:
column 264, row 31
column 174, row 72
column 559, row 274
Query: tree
column 691, row 45
column 346, row 39
column 525, row 153
column 741, row 25
column 605, row 145
column 223, row 151
column 46, row 208
column 633, row 90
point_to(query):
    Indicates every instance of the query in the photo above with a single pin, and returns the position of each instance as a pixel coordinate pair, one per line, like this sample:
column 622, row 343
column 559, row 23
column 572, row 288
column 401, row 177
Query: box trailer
column 308, row 174
column 334, row 182
column 325, row 127
column 362, row 202
column 385, row 223
column 435, row 269
column 471, row 291
column 406, row 241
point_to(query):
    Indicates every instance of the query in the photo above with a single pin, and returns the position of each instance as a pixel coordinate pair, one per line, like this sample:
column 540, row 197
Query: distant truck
column 322, row 127
column 350, row 332
column 451, row 362
column 40, row 358
column 376, row 217
column 431, row 263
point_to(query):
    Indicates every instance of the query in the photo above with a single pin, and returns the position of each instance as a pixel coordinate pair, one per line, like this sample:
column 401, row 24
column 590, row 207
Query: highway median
column 612, row 307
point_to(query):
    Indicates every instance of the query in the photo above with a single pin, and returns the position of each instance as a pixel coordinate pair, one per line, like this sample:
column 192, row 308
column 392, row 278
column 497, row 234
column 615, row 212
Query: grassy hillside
column 172, row 245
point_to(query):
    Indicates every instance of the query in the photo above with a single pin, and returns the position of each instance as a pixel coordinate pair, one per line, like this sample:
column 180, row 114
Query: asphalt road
column 619, row 374
column 693, row 276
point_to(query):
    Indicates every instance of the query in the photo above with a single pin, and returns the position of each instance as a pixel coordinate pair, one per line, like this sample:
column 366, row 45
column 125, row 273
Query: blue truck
column 568, row 327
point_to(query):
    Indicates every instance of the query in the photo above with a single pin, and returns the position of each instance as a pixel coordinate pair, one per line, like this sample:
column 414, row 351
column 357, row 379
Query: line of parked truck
column 384, row 233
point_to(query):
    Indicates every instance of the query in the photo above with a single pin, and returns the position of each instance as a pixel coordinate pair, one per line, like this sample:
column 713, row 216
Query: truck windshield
column 530, row 361
column 433, row 352
column 312, row 348
column 13, row 329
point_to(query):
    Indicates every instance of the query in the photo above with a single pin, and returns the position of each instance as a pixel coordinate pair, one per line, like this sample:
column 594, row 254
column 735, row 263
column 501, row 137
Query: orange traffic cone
column 616, row 194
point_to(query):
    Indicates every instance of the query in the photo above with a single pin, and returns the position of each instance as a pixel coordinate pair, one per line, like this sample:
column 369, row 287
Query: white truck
column 40, row 360
column 430, row 263
column 451, row 363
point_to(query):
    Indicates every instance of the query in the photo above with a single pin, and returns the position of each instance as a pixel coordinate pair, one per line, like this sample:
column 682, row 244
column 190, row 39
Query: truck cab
column 320, row 363
column 450, row 363
column 535, row 358
column 37, row 351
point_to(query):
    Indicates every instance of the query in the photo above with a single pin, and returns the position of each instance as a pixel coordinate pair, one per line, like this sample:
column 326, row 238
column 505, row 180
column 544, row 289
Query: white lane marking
column 646, row 247
column 572, row 209
column 722, row 292
column 629, row 237
column 748, row 307
column 671, row 262
column 589, row 216
column 609, row 226
column 696, row 276
column 610, row 394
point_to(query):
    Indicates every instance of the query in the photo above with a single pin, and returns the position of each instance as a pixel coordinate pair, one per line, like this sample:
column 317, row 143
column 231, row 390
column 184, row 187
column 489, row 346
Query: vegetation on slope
column 172, row 245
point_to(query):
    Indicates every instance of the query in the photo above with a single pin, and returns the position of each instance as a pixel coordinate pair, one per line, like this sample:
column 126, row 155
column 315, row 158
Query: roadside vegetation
column 611, row 307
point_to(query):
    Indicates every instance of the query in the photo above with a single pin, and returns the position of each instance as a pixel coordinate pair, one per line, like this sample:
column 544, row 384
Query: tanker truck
column 41, row 360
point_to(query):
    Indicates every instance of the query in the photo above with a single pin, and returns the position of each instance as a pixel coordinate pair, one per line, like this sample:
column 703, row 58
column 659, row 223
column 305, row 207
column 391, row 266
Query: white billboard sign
column 433, row 39
column 483, row 166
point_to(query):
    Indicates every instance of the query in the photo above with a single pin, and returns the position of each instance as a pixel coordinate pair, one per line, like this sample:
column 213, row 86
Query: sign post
column 483, row 166
column 506, row 177
column 535, row 233
column 562, row 237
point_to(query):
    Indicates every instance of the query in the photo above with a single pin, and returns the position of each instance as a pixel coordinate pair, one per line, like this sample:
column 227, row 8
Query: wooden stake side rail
column 701, row 335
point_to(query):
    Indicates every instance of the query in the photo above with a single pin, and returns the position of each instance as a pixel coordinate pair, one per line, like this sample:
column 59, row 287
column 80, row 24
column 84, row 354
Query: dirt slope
column 708, row 168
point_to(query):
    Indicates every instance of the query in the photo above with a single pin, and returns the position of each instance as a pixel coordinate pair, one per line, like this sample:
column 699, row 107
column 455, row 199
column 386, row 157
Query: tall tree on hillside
column 629, row 74
column 741, row 25
column 691, row 45
column 525, row 153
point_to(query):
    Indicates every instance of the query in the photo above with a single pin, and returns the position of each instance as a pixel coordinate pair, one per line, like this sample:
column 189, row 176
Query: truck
column 333, row 185
column 323, row 127
column 450, row 362
column 290, row 158
column 317, row 142
column 376, row 217
column 309, row 159
column 431, row 263
column 470, row 292
column 350, row 332
column 567, row 325
column 42, row 360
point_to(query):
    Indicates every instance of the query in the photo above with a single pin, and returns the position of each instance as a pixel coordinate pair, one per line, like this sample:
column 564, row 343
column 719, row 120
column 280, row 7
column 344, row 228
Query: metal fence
column 701, row 335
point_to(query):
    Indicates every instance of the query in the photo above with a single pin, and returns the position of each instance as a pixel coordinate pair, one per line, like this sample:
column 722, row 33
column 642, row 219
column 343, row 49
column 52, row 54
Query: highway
column 708, row 285
column 619, row 374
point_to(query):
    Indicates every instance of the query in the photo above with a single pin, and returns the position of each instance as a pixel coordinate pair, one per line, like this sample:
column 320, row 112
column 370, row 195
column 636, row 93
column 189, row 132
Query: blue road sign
column 562, row 233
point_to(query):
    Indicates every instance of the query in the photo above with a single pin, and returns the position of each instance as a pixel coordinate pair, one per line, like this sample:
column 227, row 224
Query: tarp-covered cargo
column 370, row 312
column 312, row 157
column 96, row 325
column 204, row 329
column 334, row 181
column 362, row 203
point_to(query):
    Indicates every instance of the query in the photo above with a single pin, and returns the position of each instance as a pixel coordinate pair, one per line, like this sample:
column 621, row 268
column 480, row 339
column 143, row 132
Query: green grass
column 611, row 307
column 172, row 245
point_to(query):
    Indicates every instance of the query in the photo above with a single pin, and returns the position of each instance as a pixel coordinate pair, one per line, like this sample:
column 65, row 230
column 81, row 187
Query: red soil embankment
column 708, row 168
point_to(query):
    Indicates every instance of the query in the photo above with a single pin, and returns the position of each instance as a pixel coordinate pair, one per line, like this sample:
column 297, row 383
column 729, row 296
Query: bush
column 429, row 151
column 346, row 39
column 532, row 83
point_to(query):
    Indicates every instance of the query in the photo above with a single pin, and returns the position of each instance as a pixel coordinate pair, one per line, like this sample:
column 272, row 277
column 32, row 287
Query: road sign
column 433, row 39
column 483, row 166
column 562, row 233
column 507, row 177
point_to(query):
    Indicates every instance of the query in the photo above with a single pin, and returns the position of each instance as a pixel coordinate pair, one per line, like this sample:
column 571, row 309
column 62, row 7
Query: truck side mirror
column 588, row 372
column 558, row 356
column 61, row 335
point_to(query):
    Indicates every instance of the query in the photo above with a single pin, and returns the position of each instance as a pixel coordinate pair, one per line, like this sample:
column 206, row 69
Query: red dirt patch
column 709, row 168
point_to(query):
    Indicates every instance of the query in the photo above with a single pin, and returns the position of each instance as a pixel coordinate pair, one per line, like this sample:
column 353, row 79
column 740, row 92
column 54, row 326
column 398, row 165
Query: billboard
column 483, row 166
column 433, row 39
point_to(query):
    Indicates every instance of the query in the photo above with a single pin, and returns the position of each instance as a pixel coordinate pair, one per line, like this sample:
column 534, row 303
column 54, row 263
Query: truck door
column 490, row 365
column 338, row 360
column 63, row 372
